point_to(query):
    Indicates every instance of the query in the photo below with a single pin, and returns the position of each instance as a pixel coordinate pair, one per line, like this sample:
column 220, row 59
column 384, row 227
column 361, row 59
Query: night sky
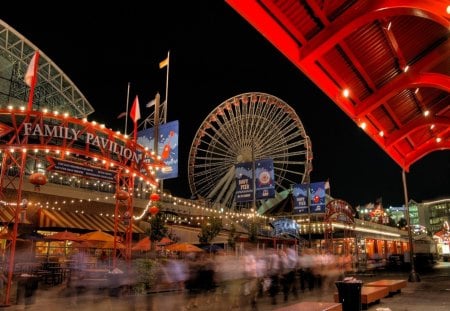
column 215, row 55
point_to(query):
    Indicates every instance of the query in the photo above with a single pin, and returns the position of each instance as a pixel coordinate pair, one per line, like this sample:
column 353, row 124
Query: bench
column 312, row 306
column 394, row 286
column 369, row 295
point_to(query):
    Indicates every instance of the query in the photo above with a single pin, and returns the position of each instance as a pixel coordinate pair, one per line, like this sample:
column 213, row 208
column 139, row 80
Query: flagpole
column 126, row 114
column 167, row 87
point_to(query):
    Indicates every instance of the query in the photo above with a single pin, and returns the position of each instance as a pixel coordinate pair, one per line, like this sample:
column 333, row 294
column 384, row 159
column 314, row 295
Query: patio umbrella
column 98, row 236
column 33, row 236
column 164, row 241
column 63, row 236
column 110, row 245
column 84, row 244
column 184, row 247
column 144, row 245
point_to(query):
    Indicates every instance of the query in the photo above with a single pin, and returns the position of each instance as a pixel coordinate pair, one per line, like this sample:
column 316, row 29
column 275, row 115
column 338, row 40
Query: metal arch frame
column 334, row 207
column 306, row 53
column 19, row 143
column 217, row 124
column 52, row 79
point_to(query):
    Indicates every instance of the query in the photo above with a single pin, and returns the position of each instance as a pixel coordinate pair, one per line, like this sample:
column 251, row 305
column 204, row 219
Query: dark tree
column 209, row 230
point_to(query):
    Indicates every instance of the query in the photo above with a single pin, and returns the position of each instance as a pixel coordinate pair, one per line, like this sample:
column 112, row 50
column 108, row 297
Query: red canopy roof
column 392, row 56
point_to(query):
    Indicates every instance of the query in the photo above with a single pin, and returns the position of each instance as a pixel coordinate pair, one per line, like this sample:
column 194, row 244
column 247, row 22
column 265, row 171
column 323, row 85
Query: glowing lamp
column 153, row 210
column 38, row 180
column 154, row 197
column 122, row 195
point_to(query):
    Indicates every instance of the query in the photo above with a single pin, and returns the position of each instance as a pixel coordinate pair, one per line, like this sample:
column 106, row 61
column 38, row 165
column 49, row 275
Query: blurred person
column 306, row 263
column 290, row 261
column 251, row 279
column 274, row 269
column 331, row 270
column 178, row 273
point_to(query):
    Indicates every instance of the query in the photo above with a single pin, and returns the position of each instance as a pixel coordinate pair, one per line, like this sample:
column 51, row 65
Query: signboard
column 309, row 198
column 300, row 195
column 80, row 170
column 264, row 180
column 317, row 197
column 244, row 182
column 167, row 147
column 285, row 226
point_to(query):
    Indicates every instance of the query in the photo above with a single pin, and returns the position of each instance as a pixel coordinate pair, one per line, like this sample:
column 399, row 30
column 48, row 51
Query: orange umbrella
column 183, row 247
column 84, row 244
column 165, row 241
column 144, row 245
column 98, row 236
column 110, row 245
column 63, row 236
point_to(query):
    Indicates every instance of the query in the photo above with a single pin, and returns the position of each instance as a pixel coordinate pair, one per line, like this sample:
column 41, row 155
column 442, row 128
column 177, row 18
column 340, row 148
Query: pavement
column 431, row 294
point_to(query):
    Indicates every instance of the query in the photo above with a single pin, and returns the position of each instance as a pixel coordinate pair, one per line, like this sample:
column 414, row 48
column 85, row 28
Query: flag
column 32, row 69
column 135, row 112
column 150, row 103
column 123, row 114
column 135, row 115
column 164, row 63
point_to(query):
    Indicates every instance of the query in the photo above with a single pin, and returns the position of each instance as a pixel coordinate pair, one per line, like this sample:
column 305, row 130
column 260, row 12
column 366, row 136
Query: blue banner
column 167, row 147
column 300, row 194
column 265, row 181
column 317, row 197
column 312, row 203
column 81, row 170
column 244, row 182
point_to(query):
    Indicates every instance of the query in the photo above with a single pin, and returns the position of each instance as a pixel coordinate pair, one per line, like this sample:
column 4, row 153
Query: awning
column 71, row 220
column 7, row 214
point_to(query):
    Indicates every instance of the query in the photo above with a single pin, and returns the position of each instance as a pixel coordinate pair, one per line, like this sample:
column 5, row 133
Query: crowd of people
column 241, row 280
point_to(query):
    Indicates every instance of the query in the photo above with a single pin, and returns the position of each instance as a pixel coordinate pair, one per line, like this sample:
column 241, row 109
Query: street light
column 413, row 276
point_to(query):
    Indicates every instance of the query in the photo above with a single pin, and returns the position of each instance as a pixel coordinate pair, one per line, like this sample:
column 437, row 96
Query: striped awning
column 70, row 220
column 7, row 214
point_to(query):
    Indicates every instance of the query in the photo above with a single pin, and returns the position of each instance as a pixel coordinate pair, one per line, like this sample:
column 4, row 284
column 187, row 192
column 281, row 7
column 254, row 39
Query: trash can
column 350, row 294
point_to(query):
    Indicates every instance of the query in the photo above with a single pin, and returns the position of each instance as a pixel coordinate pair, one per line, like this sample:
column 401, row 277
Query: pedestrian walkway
column 431, row 294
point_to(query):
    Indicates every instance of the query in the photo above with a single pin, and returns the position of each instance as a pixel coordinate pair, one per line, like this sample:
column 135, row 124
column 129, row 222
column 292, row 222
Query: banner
column 80, row 170
column 265, row 181
column 312, row 203
column 167, row 147
column 300, row 194
column 317, row 197
column 244, row 182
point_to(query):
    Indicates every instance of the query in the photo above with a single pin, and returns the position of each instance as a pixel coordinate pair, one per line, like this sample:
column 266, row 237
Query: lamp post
column 413, row 276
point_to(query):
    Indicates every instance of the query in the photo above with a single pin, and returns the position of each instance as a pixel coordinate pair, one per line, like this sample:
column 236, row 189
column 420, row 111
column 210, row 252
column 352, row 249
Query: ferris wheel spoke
column 222, row 145
column 227, row 135
column 235, row 124
column 223, row 184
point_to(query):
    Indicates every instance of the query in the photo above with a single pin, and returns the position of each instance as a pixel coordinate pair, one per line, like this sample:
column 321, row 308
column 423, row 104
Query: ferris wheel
column 247, row 127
